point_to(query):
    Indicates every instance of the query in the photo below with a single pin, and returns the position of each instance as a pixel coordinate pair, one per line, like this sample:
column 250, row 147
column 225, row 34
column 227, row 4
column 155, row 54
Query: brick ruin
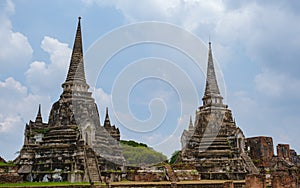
column 261, row 150
column 9, row 172
column 72, row 145
column 279, row 170
column 214, row 144
column 218, row 149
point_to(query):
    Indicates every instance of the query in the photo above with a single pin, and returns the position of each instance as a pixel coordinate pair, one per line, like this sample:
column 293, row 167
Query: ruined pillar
column 283, row 151
column 260, row 150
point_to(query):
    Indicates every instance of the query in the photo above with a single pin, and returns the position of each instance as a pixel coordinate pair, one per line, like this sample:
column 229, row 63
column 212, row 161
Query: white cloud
column 247, row 25
column 18, row 102
column 10, row 135
column 18, row 107
column 10, row 7
column 184, row 13
column 10, row 84
column 10, row 123
column 276, row 84
column 169, row 146
column 11, row 92
column 43, row 77
column 103, row 100
column 15, row 50
column 59, row 52
column 250, row 29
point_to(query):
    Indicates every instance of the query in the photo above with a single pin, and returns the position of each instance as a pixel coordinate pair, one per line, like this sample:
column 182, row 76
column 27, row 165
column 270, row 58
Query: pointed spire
column 75, row 81
column 107, row 120
column 39, row 115
column 211, row 80
column 191, row 126
column 76, row 68
column 212, row 92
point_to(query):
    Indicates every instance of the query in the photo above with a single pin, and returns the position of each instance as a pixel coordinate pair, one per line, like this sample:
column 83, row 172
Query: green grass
column 41, row 184
column 6, row 164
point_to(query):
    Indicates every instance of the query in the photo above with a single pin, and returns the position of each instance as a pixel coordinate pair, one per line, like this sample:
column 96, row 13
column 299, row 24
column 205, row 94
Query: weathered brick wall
column 146, row 177
column 283, row 151
column 261, row 150
column 284, row 181
column 294, row 157
column 8, row 174
column 10, row 178
column 255, row 181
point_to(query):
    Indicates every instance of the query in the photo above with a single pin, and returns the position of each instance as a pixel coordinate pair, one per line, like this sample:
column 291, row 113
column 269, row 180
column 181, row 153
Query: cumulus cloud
column 9, row 85
column 44, row 77
column 277, row 84
column 184, row 13
column 18, row 107
column 11, row 92
column 18, row 101
column 248, row 25
column 9, row 123
column 10, row 129
column 272, row 44
column 103, row 100
column 21, row 101
column 15, row 50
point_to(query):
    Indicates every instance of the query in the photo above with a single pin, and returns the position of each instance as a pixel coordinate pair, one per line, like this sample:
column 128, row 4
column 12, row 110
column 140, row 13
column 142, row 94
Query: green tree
column 174, row 157
column 137, row 154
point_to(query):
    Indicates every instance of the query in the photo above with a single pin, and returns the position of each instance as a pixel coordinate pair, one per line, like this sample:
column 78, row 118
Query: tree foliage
column 137, row 154
column 133, row 143
column 174, row 157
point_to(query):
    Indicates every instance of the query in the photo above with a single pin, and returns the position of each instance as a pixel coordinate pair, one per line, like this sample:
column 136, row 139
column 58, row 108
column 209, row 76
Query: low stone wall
column 146, row 176
column 10, row 178
column 183, row 184
column 187, row 175
column 8, row 174
column 71, row 186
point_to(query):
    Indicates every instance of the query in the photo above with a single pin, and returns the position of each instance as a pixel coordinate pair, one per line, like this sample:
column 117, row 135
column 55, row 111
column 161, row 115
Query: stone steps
column 172, row 176
column 91, row 165
column 59, row 141
column 250, row 166
column 213, row 145
column 51, row 136
column 214, row 153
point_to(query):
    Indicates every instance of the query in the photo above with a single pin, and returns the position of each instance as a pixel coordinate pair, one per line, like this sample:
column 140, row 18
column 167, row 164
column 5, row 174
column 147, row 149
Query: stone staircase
column 250, row 166
column 171, row 173
column 92, row 167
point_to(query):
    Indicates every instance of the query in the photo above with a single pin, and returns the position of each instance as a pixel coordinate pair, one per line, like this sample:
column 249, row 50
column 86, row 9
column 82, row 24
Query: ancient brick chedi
column 72, row 146
column 214, row 144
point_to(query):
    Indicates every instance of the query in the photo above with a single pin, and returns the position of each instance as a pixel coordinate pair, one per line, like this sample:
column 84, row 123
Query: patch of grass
column 6, row 164
column 41, row 131
column 41, row 184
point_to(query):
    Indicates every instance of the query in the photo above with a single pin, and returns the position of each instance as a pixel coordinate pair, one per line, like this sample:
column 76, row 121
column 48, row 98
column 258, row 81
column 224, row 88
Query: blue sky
column 256, row 45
